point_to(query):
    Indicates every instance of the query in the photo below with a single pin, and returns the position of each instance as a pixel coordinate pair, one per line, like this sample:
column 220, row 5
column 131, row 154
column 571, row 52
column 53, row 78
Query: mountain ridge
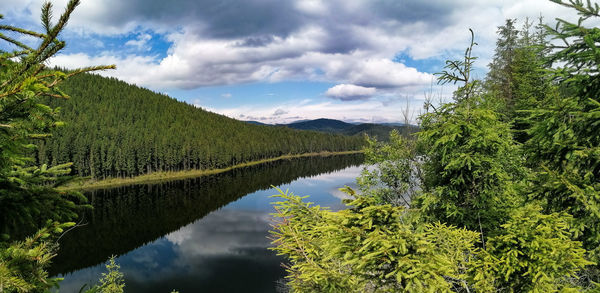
column 377, row 130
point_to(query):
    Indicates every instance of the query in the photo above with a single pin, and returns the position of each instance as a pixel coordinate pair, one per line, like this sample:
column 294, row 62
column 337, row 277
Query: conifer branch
column 22, row 31
column 15, row 42
column 47, row 16
column 91, row 68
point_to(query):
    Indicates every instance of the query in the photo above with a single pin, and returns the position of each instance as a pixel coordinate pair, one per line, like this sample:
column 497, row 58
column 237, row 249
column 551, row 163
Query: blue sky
column 279, row 61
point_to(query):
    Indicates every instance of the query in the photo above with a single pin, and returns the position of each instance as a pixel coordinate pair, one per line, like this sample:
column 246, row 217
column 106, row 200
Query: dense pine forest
column 114, row 129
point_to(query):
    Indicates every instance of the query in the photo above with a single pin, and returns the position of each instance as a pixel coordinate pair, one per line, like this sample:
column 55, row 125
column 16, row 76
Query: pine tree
column 469, row 159
column 565, row 133
column 470, row 227
column 499, row 78
column 27, row 198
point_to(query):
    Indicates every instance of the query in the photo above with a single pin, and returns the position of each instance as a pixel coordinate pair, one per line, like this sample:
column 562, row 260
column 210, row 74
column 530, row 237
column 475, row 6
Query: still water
column 206, row 234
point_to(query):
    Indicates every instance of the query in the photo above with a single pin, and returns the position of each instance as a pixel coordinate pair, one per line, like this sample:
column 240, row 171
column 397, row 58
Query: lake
column 205, row 234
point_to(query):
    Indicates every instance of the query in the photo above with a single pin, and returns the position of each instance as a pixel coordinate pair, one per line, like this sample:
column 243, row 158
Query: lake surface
column 206, row 234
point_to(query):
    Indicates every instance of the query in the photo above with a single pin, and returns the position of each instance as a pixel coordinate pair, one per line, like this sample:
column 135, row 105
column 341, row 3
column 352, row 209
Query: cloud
column 226, row 95
column 350, row 92
column 372, row 111
column 279, row 112
column 210, row 17
column 141, row 42
column 214, row 42
column 193, row 62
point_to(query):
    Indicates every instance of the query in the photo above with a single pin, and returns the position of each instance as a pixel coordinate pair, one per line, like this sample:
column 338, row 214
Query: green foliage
column 23, row 264
column 368, row 248
column 22, row 86
column 500, row 79
column 27, row 199
column 518, row 79
column 371, row 247
column 460, row 71
column 470, row 162
column 535, row 206
column 112, row 281
column 534, row 252
column 564, row 147
column 394, row 176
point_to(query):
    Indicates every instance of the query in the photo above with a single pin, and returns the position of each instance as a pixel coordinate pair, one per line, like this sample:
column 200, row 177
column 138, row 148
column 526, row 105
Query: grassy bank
column 166, row 176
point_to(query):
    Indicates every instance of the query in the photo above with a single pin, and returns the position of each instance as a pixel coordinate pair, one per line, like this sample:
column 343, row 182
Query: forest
column 114, row 129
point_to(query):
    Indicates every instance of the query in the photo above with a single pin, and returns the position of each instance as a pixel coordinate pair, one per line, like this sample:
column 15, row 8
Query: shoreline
column 155, row 177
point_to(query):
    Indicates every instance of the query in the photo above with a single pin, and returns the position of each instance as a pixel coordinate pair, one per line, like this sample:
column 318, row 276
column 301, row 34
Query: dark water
column 207, row 234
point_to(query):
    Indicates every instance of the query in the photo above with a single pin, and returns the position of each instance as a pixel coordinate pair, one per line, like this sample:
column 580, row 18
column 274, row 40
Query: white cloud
column 141, row 42
column 355, row 47
column 279, row 112
column 226, row 95
column 128, row 67
column 194, row 62
column 312, row 7
column 371, row 111
column 349, row 92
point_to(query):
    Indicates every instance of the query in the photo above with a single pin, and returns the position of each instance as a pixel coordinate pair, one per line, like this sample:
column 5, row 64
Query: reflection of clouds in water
column 75, row 280
column 222, row 232
column 336, row 192
column 207, row 248
column 145, row 258
column 184, row 233
column 309, row 183
column 230, row 242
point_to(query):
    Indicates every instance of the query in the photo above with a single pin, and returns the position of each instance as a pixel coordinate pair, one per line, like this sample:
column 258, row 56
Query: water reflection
column 163, row 246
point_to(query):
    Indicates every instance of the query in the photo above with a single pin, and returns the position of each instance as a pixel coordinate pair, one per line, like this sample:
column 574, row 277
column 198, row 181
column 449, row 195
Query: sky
column 278, row 61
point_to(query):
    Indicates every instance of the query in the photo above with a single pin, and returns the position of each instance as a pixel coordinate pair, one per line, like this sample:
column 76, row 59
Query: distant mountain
column 256, row 123
column 392, row 124
column 380, row 131
column 298, row 121
column 322, row 124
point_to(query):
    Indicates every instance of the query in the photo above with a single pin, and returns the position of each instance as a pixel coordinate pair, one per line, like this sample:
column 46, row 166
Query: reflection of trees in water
column 128, row 217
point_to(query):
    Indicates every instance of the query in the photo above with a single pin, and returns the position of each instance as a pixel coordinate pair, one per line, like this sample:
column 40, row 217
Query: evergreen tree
column 472, row 193
column 470, row 160
column 517, row 80
column 28, row 200
column 565, row 133
column 500, row 78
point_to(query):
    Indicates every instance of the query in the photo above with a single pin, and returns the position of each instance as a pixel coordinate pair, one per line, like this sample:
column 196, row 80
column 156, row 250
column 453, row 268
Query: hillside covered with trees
column 373, row 130
column 114, row 129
